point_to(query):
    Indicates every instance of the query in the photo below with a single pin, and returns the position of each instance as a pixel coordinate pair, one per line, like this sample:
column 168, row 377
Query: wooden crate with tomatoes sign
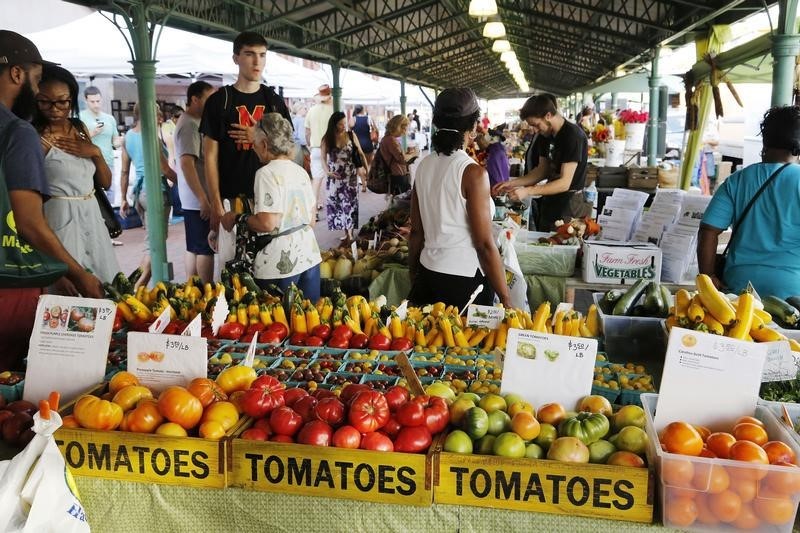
column 545, row 486
column 142, row 457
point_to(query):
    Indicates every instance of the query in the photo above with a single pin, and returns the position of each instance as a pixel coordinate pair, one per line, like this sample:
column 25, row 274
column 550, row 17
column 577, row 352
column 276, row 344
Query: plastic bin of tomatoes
column 742, row 478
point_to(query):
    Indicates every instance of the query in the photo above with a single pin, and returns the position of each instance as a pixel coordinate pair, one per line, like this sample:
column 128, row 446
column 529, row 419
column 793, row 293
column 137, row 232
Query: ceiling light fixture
column 494, row 30
column 505, row 57
column 482, row 8
column 501, row 45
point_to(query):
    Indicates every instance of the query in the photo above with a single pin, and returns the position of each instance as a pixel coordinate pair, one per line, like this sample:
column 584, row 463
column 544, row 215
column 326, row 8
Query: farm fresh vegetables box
column 620, row 263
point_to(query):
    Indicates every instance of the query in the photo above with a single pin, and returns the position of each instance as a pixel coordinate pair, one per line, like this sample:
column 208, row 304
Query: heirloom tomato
column 223, row 412
column 412, row 439
column 316, row 433
column 120, row 380
column 368, row 411
column 347, row 437
column 330, row 411
column 236, row 378
column 284, row 421
column 179, row 405
column 127, row 397
column 145, row 418
column 264, row 395
column 207, row 391
column 377, row 441
column 396, row 396
column 93, row 413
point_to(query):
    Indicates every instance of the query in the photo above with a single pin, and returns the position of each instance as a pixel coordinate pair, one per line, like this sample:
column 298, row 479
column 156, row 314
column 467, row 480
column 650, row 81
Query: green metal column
column 144, row 68
column 652, row 120
column 785, row 47
column 614, row 101
column 336, row 90
column 403, row 107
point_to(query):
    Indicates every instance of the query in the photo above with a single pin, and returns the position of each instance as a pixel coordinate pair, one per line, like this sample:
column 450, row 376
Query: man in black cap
column 22, row 168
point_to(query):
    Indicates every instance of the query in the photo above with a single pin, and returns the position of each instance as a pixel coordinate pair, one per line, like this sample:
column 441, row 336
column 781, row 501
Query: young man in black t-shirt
column 229, row 120
column 563, row 154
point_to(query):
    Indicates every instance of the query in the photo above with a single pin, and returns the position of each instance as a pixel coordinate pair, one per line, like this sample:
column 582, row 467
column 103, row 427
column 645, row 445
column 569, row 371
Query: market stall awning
column 561, row 45
column 750, row 62
column 637, row 82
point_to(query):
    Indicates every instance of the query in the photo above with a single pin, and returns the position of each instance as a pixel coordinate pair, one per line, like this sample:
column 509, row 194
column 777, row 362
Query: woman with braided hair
column 765, row 247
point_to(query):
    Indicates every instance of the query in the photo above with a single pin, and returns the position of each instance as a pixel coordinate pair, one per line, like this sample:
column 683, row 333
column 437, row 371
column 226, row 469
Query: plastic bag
column 226, row 245
column 37, row 493
column 517, row 286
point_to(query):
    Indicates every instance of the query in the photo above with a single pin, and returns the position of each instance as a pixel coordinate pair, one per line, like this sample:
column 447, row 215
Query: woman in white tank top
column 452, row 246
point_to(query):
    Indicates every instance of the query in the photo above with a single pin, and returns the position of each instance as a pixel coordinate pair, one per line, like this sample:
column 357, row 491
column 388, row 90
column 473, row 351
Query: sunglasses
column 43, row 103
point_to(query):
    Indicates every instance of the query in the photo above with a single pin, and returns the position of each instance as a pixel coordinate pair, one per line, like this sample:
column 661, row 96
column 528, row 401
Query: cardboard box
column 620, row 263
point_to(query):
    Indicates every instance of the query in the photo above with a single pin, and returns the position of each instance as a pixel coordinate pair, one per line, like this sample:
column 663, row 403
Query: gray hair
column 279, row 134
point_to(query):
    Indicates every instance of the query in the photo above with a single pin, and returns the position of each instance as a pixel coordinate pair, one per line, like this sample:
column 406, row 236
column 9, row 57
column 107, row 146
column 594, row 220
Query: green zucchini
column 783, row 313
column 134, row 276
column 624, row 305
column 120, row 283
column 608, row 300
column 794, row 301
column 652, row 299
column 666, row 298
column 248, row 281
column 112, row 292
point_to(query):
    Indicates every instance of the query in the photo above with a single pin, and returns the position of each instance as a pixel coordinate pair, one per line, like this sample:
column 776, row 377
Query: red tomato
column 323, row 331
column 282, row 438
column 278, row 329
column 313, row 340
column 401, row 345
column 173, row 328
column 298, row 339
column 379, row 342
column 411, row 414
column 252, row 329
column 206, row 332
column 413, row 440
column 290, row 396
column 437, row 414
column 269, row 337
column 263, row 424
column 359, row 341
column 347, row 437
column 254, row 434
column 264, row 395
column 231, row 331
column 330, row 411
column 338, row 342
column 305, row 407
column 350, row 391
column 392, row 427
column 284, row 421
column 316, row 433
column 377, row 441
column 368, row 411
column 321, row 394
column 118, row 322
column 396, row 396
column 342, row 331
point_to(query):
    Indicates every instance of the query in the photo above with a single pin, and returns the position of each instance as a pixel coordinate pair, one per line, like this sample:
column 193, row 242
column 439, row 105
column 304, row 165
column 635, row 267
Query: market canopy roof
column 561, row 45
column 637, row 82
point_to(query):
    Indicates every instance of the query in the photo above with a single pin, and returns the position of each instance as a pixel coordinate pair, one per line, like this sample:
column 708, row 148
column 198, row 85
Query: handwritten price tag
column 485, row 316
column 160, row 361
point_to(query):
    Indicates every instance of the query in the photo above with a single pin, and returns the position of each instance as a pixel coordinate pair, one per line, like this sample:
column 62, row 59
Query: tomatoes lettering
column 316, row 433
column 368, row 412
column 285, row 421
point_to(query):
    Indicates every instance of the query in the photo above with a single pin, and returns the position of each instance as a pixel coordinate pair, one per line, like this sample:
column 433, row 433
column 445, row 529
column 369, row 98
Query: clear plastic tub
column 555, row 260
column 758, row 497
column 632, row 337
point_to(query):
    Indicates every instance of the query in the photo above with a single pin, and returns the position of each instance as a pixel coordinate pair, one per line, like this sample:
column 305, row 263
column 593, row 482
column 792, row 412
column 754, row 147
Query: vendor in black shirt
column 563, row 152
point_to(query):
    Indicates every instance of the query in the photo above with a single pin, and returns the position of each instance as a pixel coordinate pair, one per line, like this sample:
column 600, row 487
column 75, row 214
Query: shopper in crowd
column 303, row 156
column 199, row 258
column 284, row 206
column 452, row 248
column 765, row 248
column 167, row 134
column 497, row 165
column 229, row 125
column 22, row 168
column 316, row 125
column 393, row 156
column 362, row 125
column 133, row 153
column 562, row 162
column 102, row 126
column 338, row 146
column 74, row 168
column 415, row 120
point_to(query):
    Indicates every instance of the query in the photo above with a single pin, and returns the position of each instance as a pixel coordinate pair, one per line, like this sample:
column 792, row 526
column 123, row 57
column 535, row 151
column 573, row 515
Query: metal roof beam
column 407, row 51
column 526, row 42
column 609, row 13
column 438, row 53
column 516, row 6
column 275, row 17
column 379, row 44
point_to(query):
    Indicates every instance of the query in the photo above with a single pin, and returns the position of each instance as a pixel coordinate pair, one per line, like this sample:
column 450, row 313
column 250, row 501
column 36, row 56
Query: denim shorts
column 196, row 233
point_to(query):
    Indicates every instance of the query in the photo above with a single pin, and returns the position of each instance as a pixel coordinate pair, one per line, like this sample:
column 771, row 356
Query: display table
column 117, row 506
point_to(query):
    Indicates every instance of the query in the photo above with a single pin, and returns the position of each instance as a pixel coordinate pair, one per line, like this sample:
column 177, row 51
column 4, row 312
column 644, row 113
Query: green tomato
column 509, row 444
column 458, row 442
column 492, row 402
column 600, row 451
column 629, row 415
column 469, row 395
column 632, row 439
column 534, row 451
column 587, row 427
column 499, row 422
column 511, row 398
column 484, row 445
column 547, row 434
column 475, row 422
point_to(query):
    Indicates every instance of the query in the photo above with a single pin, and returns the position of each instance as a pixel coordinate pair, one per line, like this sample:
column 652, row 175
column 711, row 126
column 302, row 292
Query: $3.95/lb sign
column 144, row 458
column 596, row 491
column 382, row 477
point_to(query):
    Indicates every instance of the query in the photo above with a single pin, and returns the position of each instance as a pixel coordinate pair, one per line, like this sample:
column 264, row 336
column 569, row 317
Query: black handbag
column 112, row 223
column 357, row 161
column 378, row 176
column 721, row 259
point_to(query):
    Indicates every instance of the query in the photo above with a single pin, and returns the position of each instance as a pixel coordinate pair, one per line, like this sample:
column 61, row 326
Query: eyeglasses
column 63, row 105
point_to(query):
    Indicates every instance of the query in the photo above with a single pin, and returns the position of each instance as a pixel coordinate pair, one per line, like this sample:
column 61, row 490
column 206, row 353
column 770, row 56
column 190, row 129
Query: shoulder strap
column 749, row 205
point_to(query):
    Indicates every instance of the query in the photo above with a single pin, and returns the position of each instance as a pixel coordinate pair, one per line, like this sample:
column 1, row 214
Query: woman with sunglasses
column 74, row 167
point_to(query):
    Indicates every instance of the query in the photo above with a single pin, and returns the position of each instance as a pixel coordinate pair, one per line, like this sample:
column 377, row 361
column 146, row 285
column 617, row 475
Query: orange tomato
column 749, row 420
column 178, row 405
column 551, row 413
column 207, row 391
column 120, row 380
column 144, row 419
column 525, row 425
column 726, row 505
column 623, row 458
column 223, row 412
column 704, row 431
column 212, row 430
column 711, row 478
column 171, row 429
column 747, row 519
column 677, row 472
column 69, row 421
column 236, row 399
column 705, row 452
column 773, row 507
column 785, row 480
column 682, row 438
column 779, row 452
column 720, row 443
column 128, row 396
column 93, row 413
column 750, row 452
column 704, row 514
column 751, row 432
column 681, row 512
column 746, row 488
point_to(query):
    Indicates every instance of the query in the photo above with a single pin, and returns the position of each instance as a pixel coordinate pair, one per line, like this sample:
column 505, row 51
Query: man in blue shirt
column 22, row 165
column 102, row 126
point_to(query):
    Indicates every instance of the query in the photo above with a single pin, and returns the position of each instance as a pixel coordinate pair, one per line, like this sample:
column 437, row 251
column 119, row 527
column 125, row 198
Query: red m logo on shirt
column 249, row 119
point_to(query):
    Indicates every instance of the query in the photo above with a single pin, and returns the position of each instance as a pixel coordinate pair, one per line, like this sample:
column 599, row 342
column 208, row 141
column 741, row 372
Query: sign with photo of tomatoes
column 163, row 360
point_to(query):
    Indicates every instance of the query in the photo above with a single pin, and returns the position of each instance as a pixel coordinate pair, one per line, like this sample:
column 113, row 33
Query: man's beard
column 25, row 102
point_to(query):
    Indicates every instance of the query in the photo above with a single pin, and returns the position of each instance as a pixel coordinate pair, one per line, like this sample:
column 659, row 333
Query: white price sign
column 160, row 361
column 485, row 316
